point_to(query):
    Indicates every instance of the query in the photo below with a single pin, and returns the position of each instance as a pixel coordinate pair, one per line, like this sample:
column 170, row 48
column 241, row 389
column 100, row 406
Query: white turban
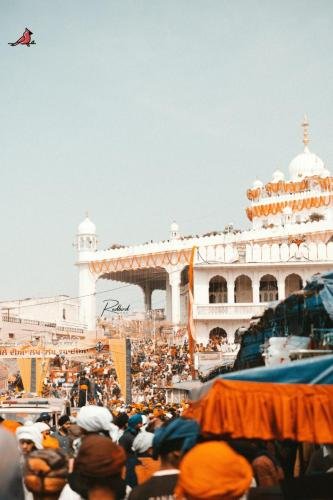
column 41, row 426
column 94, row 418
column 143, row 441
column 31, row 433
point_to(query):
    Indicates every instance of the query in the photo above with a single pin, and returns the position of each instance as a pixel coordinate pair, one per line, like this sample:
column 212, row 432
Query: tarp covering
column 323, row 283
column 257, row 410
column 299, row 314
column 293, row 401
column 318, row 370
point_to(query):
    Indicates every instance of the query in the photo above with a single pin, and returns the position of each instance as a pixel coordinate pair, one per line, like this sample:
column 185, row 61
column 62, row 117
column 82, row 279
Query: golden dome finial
column 305, row 126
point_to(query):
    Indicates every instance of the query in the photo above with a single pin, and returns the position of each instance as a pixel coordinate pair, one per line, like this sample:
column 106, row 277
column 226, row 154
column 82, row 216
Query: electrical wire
column 143, row 281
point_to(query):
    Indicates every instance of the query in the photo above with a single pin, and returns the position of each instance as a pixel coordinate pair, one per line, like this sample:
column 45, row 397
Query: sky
column 147, row 111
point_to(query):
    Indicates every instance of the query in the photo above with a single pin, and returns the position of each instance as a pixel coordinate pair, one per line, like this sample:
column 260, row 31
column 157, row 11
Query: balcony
column 228, row 311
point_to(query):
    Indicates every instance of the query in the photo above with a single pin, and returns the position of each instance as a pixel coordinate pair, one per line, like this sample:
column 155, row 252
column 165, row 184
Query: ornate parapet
column 144, row 261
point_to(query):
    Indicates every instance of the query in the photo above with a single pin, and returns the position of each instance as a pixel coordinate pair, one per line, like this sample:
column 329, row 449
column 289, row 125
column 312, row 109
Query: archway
column 293, row 283
column 243, row 289
column 218, row 291
column 268, row 289
column 217, row 334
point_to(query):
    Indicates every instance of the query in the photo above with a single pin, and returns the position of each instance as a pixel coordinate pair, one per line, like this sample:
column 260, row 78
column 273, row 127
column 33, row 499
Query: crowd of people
column 157, row 366
column 135, row 452
column 106, row 449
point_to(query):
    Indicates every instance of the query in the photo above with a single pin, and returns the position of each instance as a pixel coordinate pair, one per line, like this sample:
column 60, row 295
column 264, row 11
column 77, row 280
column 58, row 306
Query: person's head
column 46, row 473
column 97, row 469
column 10, row 425
column 29, row 439
column 44, row 417
column 143, row 443
column 43, row 428
column 94, row 419
column 64, row 423
column 121, row 420
column 213, row 470
column 135, row 421
column 174, row 439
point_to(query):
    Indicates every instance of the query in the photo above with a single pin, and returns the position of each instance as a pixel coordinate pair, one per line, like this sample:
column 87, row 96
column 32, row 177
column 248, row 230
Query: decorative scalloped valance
column 151, row 260
column 241, row 409
column 296, row 206
column 285, row 187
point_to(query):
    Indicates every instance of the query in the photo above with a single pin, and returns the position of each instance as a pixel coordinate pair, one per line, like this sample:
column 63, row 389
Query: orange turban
column 10, row 425
column 50, row 442
column 213, row 470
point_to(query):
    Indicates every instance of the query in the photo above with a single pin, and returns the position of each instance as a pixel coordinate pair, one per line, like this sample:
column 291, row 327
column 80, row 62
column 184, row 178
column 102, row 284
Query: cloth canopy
column 292, row 401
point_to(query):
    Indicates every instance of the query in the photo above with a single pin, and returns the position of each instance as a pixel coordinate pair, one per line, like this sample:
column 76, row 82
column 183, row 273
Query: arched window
column 184, row 276
column 218, row 291
column 268, row 289
column 217, row 334
column 293, row 283
column 243, row 289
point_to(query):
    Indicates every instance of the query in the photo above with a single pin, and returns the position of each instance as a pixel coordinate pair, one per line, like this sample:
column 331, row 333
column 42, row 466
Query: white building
column 31, row 317
column 236, row 274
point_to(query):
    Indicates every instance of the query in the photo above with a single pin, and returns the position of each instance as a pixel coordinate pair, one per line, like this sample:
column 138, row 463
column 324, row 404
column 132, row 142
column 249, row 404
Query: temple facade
column 236, row 273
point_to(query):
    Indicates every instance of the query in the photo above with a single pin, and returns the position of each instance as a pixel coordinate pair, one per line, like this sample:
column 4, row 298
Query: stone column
column 167, row 299
column 147, row 290
column 174, row 279
column 255, row 290
column 87, row 290
column 231, row 290
column 282, row 288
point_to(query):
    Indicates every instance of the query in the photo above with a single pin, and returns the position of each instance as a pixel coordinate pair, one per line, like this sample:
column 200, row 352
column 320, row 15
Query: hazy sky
column 146, row 111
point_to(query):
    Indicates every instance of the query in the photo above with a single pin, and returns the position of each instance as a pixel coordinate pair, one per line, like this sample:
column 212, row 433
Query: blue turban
column 134, row 420
column 180, row 434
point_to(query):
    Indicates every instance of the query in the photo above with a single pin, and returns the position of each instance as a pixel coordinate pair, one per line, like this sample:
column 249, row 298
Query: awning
column 292, row 401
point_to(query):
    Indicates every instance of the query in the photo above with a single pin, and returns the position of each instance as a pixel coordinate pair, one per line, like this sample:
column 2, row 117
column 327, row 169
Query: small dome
column 287, row 210
column 325, row 173
column 86, row 227
column 306, row 164
column 174, row 227
column 257, row 184
column 278, row 176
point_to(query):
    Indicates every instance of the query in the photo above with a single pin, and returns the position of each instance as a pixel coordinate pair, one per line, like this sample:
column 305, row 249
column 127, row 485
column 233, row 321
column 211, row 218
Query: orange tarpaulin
column 242, row 409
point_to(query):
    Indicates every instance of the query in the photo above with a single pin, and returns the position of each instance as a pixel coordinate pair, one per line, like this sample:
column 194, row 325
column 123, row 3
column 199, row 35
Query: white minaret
column 86, row 236
column 174, row 231
column 86, row 242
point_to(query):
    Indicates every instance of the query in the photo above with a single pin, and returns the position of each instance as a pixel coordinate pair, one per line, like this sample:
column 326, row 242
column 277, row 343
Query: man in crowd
column 61, row 434
column 170, row 443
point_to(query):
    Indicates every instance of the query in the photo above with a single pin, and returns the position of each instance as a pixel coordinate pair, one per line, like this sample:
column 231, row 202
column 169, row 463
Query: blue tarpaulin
column 323, row 283
column 318, row 370
column 301, row 314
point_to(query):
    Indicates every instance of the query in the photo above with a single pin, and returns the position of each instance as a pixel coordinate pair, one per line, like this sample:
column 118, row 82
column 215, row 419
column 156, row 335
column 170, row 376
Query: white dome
column 278, row 176
column 86, row 227
column 306, row 164
column 174, row 227
column 325, row 173
column 257, row 184
column 287, row 210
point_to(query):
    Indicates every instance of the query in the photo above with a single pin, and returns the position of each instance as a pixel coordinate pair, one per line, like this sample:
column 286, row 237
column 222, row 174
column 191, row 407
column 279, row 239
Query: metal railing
column 24, row 321
column 228, row 310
